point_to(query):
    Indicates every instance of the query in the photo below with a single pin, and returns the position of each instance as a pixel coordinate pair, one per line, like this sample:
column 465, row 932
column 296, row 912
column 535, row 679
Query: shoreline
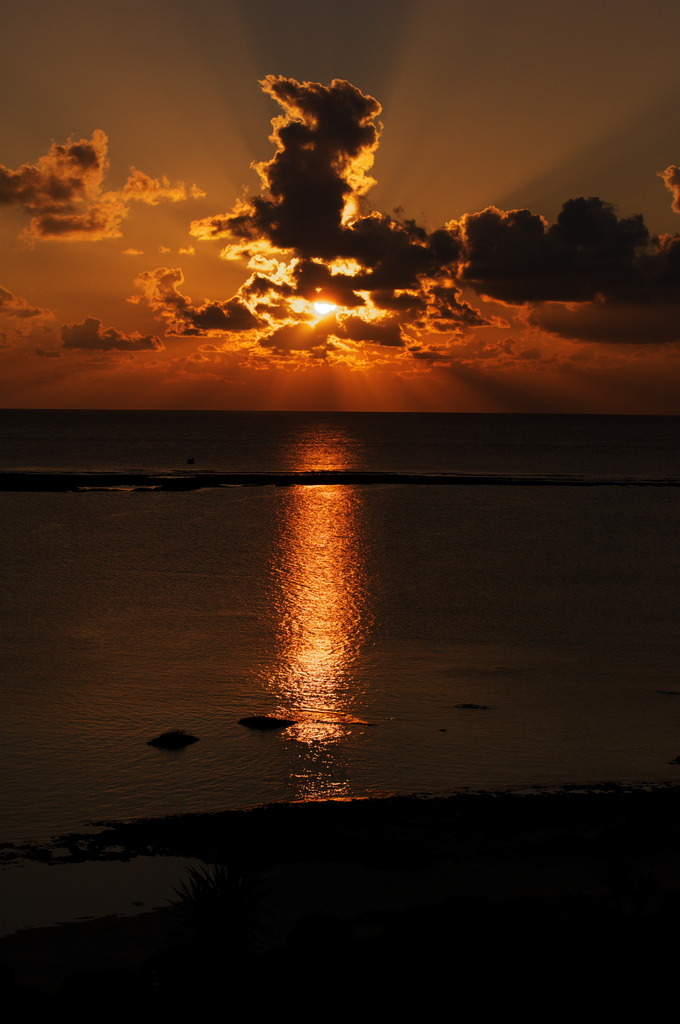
column 183, row 480
column 360, row 872
column 351, row 828
column 36, row 845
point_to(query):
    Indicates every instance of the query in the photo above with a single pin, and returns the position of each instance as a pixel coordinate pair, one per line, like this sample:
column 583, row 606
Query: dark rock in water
column 676, row 760
column 473, row 707
column 173, row 740
column 265, row 722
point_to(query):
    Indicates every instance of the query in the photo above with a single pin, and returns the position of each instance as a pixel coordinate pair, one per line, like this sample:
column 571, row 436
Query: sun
column 324, row 307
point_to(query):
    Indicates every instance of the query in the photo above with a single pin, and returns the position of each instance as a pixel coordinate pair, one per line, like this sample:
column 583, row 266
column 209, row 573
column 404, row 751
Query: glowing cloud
column 316, row 249
column 63, row 191
column 161, row 292
column 14, row 306
column 333, row 280
column 671, row 178
column 89, row 335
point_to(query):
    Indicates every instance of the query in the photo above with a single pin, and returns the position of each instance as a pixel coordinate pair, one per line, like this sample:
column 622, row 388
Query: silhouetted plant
column 218, row 904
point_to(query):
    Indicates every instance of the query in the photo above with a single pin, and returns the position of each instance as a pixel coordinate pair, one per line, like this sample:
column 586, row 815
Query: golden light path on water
column 322, row 621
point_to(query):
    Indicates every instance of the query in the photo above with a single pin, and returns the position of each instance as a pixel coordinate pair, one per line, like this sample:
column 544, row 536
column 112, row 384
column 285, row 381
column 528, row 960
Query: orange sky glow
column 455, row 206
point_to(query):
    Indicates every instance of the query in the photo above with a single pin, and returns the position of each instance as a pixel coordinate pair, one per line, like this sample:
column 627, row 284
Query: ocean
column 421, row 639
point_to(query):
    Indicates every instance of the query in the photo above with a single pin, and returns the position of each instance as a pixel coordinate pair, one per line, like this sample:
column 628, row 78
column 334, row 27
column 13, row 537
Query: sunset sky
column 463, row 206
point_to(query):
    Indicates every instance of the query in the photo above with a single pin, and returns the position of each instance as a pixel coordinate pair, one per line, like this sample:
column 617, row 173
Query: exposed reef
column 175, row 739
column 190, row 481
column 265, row 722
column 598, row 822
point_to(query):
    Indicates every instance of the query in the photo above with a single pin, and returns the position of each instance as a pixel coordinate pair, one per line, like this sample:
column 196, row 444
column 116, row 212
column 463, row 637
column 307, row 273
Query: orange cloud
column 89, row 335
column 315, row 249
column 13, row 306
column 160, row 290
column 63, row 191
column 671, row 179
column 331, row 280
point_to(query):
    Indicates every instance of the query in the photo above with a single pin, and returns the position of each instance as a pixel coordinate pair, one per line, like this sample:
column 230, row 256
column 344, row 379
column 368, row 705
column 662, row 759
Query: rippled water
column 103, row 440
column 365, row 613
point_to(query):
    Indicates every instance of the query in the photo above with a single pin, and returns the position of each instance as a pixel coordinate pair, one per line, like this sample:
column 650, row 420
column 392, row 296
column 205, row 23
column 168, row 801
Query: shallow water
column 38, row 895
column 232, row 442
column 125, row 614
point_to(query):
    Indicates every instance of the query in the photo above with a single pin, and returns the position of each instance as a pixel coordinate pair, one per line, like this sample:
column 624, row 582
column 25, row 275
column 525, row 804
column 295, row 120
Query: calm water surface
column 128, row 613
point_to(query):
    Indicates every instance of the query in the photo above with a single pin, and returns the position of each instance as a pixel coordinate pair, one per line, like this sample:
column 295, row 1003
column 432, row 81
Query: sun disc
column 324, row 307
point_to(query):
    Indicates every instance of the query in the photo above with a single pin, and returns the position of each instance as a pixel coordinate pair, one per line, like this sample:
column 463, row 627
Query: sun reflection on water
column 322, row 622
column 320, row 604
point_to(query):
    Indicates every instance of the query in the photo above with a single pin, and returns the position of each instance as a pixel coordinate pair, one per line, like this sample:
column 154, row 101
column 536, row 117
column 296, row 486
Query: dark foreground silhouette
column 608, row 945
column 574, row 955
column 175, row 739
column 265, row 722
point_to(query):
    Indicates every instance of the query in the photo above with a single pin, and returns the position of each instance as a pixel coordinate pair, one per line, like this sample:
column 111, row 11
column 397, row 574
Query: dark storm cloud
column 614, row 323
column 220, row 316
column 357, row 329
column 315, row 212
column 590, row 276
column 321, row 141
column 313, row 243
column 89, row 335
column 515, row 257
